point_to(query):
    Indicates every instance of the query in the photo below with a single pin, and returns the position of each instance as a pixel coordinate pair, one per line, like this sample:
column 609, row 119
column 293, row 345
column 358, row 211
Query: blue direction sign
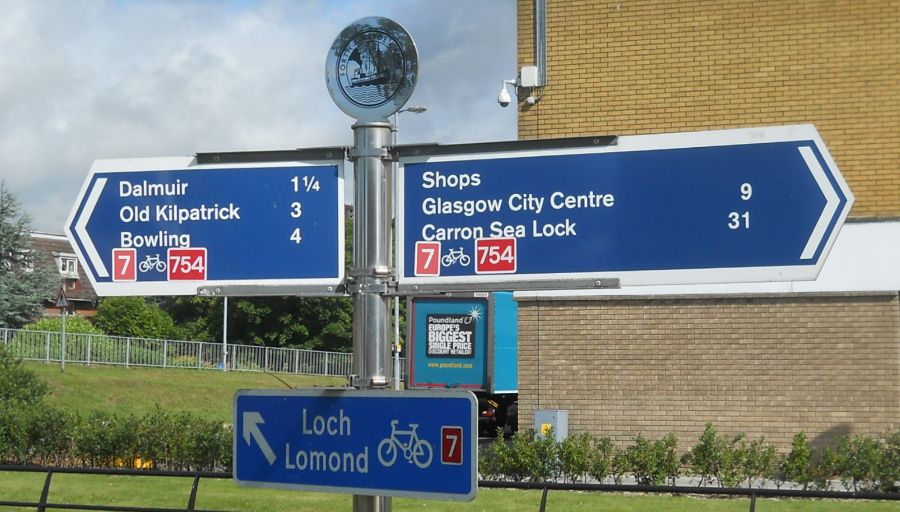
column 419, row 444
column 723, row 206
column 164, row 226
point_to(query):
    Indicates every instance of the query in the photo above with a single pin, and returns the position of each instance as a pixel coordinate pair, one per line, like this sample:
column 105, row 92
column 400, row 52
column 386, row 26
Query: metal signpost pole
column 371, row 269
column 392, row 181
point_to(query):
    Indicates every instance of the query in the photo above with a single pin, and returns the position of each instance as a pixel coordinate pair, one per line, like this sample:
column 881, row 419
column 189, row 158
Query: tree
column 135, row 317
column 313, row 323
column 74, row 325
column 26, row 280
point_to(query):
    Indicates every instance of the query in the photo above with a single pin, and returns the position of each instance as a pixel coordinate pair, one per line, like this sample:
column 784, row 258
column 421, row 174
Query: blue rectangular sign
column 420, row 444
column 728, row 206
column 154, row 227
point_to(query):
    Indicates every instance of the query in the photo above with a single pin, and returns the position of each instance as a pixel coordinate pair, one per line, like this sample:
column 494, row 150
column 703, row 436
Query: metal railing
column 753, row 494
column 44, row 502
column 121, row 351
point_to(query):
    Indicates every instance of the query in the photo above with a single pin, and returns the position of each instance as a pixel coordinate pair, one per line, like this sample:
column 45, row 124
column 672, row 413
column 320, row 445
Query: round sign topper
column 372, row 68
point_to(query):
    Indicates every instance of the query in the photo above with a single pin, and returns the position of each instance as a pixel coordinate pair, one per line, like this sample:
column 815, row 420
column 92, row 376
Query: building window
column 68, row 266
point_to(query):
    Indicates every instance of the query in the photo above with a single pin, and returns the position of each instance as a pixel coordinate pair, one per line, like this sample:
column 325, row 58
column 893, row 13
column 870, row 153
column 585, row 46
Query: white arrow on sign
column 831, row 202
column 81, row 228
column 252, row 421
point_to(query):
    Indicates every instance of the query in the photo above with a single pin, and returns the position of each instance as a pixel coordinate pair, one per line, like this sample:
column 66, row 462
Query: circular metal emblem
column 372, row 68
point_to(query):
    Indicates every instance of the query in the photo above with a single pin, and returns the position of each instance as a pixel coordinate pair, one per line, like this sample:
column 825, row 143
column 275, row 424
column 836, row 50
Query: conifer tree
column 26, row 281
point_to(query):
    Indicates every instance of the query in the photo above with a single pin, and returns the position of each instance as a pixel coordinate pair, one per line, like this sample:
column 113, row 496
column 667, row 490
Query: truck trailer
column 468, row 341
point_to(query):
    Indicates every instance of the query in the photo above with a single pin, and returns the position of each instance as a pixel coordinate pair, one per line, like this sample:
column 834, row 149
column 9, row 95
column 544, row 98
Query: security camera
column 504, row 98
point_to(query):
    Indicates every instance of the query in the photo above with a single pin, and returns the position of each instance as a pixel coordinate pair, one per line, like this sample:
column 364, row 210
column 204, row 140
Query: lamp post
column 417, row 109
column 225, row 335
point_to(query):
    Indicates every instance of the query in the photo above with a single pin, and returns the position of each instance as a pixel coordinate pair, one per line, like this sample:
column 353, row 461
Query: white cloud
column 81, row 80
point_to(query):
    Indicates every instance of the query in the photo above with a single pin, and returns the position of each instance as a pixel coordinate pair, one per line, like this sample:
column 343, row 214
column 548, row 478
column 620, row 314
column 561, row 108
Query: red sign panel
column 124, row 265
column 495, row 255
column 428, row 258
column 188, row 264
column 452, row 445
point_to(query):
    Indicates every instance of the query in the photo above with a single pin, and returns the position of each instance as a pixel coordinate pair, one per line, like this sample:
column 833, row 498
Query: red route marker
column 452, row 445
column 428, row 258
column 124, row 264
column 495, row 256
column 187, row 264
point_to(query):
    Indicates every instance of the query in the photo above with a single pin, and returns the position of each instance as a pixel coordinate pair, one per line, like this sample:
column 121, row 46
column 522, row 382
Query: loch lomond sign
column 421, row 444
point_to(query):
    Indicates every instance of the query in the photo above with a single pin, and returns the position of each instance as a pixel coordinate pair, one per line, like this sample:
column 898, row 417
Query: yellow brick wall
column 623, row 67
column 764, row 365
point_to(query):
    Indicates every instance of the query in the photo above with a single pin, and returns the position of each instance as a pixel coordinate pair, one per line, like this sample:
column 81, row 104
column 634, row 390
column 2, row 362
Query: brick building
column 80, row 294
column 765, row 359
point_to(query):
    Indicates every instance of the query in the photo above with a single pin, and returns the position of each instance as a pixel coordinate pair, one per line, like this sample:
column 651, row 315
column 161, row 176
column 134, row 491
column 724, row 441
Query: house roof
column 52, row 247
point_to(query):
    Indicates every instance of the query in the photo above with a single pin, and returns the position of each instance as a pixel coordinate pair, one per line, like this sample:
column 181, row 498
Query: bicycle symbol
column 454, row 256
column 415, row 450
column 152, row 261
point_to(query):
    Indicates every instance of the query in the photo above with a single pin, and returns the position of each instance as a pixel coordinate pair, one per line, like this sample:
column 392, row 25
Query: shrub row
column 46, row 436
column 859, row 462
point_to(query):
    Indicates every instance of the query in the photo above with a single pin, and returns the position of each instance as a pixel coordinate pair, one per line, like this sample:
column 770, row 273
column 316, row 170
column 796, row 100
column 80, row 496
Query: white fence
column 114, row 350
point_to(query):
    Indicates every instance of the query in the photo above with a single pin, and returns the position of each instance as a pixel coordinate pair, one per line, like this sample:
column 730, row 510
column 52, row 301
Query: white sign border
column 331, row 392
column 713, row 138
column 189, row 163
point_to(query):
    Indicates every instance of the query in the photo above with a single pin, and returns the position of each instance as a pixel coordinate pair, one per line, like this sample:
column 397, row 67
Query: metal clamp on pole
column 356, row 153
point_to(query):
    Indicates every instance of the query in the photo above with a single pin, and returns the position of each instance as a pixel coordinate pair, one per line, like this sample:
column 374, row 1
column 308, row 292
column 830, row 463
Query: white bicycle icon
column 152, row 261
column 415, row 450
column 456, row 255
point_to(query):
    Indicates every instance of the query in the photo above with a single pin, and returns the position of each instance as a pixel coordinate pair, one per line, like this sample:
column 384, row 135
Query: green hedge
column 36, row 434
column 861, row 463
column 46, row 436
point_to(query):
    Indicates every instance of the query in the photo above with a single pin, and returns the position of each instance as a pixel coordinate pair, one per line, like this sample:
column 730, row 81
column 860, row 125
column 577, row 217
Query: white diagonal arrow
column 831, row 202
column 81, row 227
column 252, row 421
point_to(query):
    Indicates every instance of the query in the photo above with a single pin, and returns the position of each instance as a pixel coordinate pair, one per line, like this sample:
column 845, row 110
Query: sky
column 90, row 79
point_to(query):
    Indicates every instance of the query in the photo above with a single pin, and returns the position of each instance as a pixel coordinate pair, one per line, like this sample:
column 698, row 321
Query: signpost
column 167, row 226
column 62, row 302
column 371, row 71
column 725, row 206
column 387, row 443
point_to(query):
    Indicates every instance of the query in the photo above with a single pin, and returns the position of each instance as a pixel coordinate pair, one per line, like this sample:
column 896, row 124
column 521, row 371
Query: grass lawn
column 206, row 393
column 217, row 494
